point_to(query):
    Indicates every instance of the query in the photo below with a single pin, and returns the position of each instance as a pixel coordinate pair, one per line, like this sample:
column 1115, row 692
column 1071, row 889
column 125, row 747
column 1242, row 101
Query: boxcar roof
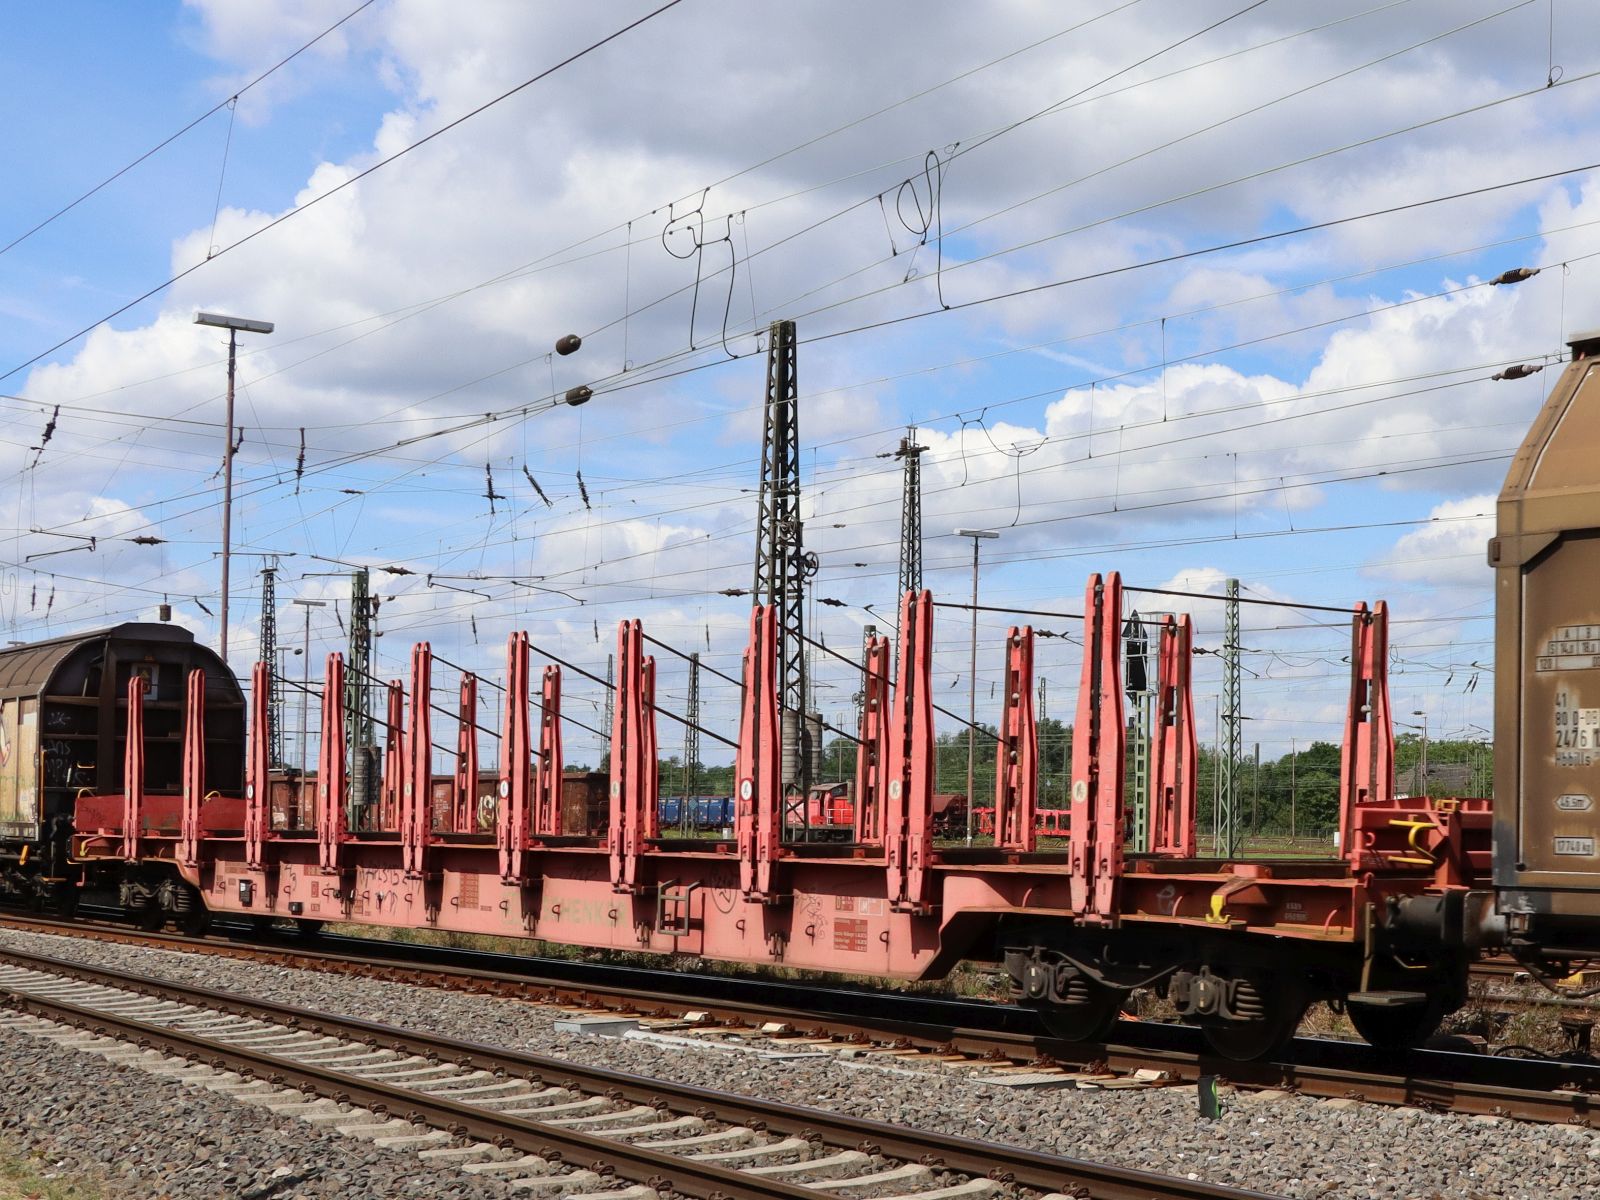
column 27, row 669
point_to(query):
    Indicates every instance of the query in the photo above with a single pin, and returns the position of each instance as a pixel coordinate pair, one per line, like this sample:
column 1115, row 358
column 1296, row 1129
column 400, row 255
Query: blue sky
column 432, row 292
column 94, row 86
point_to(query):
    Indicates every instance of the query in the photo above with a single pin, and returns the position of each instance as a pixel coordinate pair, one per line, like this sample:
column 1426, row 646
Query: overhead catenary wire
column 167, row 141
column 1241, row 243
column 827, row 649
column 943, row 307
column 496, row 416
column 592, row 677
column 1277, row 483
column 723, row 675
column 999, row 404
column 1090, row 432
column 516, row 272
column 1224, row 56
column 341, row 186
column 382, row 719
column 1005, row 608
column 1258, row 600
column 1075, row 552
column 276, row 479
column 1178, row 541
column 787, row 306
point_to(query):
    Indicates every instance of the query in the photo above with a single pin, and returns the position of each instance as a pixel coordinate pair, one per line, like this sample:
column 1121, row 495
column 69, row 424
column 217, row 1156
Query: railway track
column 1546, row 1090
column 542, row 1124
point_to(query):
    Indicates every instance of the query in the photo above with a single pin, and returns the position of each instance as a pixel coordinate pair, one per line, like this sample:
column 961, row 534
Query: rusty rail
column 1549, row 1091
column 660, row 1169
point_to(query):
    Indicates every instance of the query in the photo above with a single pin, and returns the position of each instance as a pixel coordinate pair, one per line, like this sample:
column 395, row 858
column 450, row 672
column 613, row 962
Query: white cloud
column 1450, row 552
column 1245, row 444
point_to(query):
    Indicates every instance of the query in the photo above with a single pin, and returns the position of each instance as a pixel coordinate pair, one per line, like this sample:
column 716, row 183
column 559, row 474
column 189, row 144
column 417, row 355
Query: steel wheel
column 1394, row 1029
column 1281, row 1005
column 194, row 922
column 1090, row 1021
column 66, row 900
column 150, row 919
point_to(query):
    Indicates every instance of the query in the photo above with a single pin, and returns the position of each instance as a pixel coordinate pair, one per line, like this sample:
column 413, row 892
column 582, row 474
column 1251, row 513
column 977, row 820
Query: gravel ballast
column 148, row 1137
column 1287, row 1145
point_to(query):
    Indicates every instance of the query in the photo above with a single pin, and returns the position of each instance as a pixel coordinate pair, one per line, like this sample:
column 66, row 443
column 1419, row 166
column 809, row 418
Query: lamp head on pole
column 976, row 533
column 239, row 324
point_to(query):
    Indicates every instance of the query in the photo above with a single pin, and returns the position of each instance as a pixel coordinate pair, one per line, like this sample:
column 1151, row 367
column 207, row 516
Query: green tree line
column 1297, row 792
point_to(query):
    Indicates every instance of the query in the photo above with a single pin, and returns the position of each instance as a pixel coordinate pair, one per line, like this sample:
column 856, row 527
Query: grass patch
column 1515, row 1015
column 1321, row 1021
column 28, row 1177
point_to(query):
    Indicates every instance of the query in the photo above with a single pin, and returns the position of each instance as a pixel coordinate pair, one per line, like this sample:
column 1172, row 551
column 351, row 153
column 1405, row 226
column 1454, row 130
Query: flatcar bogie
column 1264, row 1012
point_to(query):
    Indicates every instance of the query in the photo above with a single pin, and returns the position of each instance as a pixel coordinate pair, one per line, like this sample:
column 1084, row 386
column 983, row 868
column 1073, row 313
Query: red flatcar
column 1385, row 927
column 1075, row 927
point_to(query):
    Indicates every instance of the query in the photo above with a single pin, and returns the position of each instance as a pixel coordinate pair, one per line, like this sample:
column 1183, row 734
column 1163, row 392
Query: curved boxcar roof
column 31, row 670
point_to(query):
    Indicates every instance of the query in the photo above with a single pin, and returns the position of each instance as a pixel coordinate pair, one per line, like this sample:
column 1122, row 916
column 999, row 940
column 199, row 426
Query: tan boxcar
column 1546, row 555
column 63, row 721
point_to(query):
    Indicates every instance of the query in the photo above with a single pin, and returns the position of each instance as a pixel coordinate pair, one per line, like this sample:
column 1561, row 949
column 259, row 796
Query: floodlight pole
column 227, row 497
column 233, row 325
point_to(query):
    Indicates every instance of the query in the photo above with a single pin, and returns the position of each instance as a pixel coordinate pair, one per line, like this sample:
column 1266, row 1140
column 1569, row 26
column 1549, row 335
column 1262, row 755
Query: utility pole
column 782, row 566
column 305, row 692
column 227, row 498
column 611, row 696
column 234, row 326
column 1294, row 758
column 360, row 734
column 1231, row 747
column 691, row 738
column 1423, row 763
column 1255, row 793
column 1216, row 782
column 269, row 655
column 1043, row 712
column 977, row 536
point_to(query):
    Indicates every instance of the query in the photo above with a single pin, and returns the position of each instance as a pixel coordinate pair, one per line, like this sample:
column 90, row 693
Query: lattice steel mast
column 1040, row 715
column 691, row 740
column 910, row 455
column 782, row 565
column 1231, row 749
column 611, row 700
column 269, row 655
column 360, row 732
